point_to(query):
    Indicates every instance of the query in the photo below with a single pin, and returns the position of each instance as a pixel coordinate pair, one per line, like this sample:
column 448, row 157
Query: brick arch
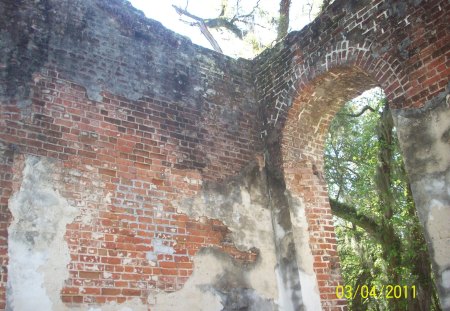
column 343, row 72
column 387, row 70
column 302, row 143
column 172, row 115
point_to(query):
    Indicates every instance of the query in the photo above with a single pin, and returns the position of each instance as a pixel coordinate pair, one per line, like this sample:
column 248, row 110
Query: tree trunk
column 283, row 22
column 391, row 247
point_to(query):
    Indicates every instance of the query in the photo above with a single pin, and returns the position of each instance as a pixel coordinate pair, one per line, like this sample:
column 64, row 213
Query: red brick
column 110, row 291
column 108, row 172
column 89, row 275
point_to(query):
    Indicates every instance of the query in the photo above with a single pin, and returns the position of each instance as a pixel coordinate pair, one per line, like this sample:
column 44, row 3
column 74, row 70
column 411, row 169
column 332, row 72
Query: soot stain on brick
column 233, row 287
column 181, row 81
column 72, row 38
column 23, row 46
column 219, row 197
column 403, row 48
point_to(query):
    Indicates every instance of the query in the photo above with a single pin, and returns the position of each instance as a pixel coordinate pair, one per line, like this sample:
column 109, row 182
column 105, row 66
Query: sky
column 162, row 11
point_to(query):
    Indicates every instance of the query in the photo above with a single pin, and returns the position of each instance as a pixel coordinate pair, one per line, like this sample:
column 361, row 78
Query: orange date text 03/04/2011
column 385, row 291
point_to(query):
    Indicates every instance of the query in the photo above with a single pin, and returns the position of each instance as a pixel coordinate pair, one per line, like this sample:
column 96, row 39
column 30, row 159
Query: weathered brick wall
column 173, row 169
column 137, row 118
column 304, row 80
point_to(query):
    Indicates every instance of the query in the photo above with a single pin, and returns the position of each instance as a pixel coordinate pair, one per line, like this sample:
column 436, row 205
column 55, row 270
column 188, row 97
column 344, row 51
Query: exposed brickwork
column 137, row 118
column 124, row 165
column 304, row 80
column 302, row 148
column 124, row 160
column 400, row 45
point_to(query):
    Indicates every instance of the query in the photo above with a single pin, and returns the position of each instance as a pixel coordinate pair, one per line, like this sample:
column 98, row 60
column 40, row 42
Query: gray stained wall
column 139, row 170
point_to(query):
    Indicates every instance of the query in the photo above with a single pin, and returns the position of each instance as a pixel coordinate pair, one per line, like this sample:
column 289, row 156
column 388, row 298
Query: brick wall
column 304, row 80
column 136, row 123
column 137, row 118
column 125, row 162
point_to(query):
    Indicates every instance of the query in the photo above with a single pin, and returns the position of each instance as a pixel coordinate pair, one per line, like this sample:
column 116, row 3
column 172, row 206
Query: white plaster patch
column 131, row 305
column 438, row 228
column 160, row 248
column 107, row 275
column 192, row 297
column 308, row 280
column 301, row 236
column 38, row 253
column 108, row 198
column 446, row 279
column 26, row 284
column 250, row 224
column 284, row 295
column 151, row 256
column 127, row 261
column 427, row 159
column 441, row 149
column 285, row 288
column 310, row 292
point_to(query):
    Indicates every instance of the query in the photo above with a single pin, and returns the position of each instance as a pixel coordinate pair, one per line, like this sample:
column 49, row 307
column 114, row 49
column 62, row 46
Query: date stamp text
column 386, row 291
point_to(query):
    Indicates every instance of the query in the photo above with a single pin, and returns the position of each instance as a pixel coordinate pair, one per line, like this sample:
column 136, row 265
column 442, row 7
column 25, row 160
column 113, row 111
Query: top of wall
column 109, row 45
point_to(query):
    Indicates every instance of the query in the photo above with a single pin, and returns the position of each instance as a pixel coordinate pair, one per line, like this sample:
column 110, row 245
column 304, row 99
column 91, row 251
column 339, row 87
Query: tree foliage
column 380, row 240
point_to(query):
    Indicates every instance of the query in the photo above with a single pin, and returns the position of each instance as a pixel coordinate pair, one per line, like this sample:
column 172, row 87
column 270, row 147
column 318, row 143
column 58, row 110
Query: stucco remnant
column 242, row 204
column 37, row 250
column 309, row 288
column 424, row 138
column 218, row 283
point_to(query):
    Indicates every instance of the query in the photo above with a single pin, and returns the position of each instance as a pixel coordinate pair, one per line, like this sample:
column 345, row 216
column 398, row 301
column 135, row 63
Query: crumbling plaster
column 38, row 252
column 218, row 283
column 424, row 136
column 242, row 204
column 308, row 281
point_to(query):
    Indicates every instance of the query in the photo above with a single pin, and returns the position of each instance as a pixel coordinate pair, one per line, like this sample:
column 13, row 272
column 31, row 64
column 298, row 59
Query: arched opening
column 303, row 143
column 380, row 239
column 302, row 146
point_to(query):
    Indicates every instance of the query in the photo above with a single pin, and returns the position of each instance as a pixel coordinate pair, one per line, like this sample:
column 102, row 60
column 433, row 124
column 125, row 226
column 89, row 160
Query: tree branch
column 325, row 3
column 375, row 230
column 283, row 22
column 203, row 27
column 350, row 214
column 209, row 36
column 367, row 107
column 219, row 22
column 251, row 12
column 180, row 11
column 224, row 8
